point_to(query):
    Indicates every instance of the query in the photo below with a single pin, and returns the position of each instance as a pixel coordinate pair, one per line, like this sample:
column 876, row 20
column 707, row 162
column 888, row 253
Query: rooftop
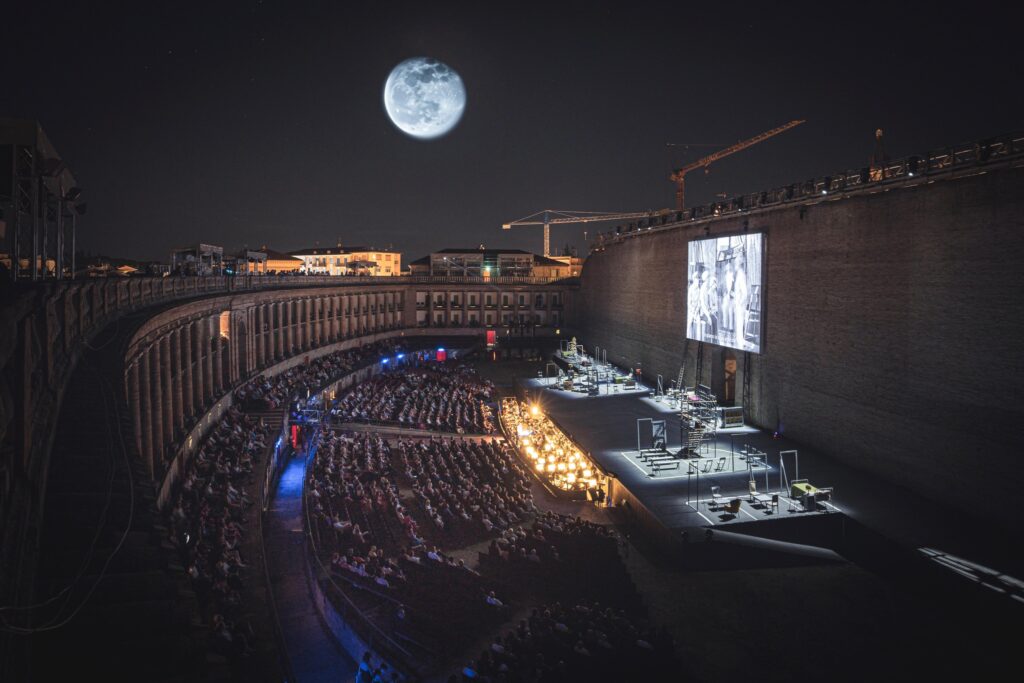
column 337, row 251
column 273, row 255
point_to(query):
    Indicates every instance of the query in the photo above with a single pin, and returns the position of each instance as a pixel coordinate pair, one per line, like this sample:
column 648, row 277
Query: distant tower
column 878, row 157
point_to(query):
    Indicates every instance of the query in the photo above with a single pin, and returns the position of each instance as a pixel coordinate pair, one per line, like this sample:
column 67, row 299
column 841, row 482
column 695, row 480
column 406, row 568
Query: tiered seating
column 376, row 533
column 466, row 490
column 550, row 556
column 448, row 397
column 586, row 642
column 383, row 507
column 207, row 523
column 265, row 392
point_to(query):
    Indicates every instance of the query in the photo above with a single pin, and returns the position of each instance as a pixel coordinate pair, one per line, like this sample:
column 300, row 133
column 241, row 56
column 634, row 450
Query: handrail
column 946, row 161
column 259, row 281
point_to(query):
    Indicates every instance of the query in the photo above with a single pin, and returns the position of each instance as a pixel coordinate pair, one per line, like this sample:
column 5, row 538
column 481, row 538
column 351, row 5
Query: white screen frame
column 725, row 276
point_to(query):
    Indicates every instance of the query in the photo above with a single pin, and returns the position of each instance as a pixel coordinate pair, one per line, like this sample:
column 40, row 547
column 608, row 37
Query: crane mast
column 679, row 175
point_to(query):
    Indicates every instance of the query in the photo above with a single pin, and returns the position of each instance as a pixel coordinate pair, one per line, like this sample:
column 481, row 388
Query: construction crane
column 679, row 175
column 549, row 217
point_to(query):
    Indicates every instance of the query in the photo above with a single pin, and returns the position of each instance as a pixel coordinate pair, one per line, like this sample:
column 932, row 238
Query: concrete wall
column 893, row 329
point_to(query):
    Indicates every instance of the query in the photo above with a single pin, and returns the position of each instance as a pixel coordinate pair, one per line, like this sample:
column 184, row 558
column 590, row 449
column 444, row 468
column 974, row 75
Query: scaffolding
column 698, row 418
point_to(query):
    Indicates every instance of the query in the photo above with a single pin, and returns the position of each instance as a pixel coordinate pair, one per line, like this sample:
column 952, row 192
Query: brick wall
column 894, row 324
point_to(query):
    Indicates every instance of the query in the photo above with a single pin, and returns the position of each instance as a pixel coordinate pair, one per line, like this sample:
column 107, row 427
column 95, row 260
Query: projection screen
column 724, row 291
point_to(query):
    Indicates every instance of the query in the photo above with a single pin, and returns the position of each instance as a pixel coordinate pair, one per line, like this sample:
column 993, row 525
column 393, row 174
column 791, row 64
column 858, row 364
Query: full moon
column 424, row 98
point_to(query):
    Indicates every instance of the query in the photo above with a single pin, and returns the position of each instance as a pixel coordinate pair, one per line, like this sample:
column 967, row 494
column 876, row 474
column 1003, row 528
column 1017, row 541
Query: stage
column 582, row 388
column 698, row 492
column 605, row 427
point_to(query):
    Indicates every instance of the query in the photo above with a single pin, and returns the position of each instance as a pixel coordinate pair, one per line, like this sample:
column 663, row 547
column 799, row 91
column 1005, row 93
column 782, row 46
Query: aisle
column 313, row 652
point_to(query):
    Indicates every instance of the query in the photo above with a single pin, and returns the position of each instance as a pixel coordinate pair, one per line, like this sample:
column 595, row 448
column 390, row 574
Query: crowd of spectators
column 383, row 506
column 547, row 556
column 479, row 484
column 278, row 391
column 585, row 642
column 541, row 542
column 207, row 522
column 445, row 397
column 354, row 501
column 463, row 490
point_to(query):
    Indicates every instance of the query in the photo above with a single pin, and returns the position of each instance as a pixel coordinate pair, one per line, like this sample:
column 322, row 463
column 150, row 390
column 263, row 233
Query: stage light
column 401, row 356
column 534, row 410
column 587, row 473
column 540, row 468
column 551, row 467
column 384, row 361
column 570, row 478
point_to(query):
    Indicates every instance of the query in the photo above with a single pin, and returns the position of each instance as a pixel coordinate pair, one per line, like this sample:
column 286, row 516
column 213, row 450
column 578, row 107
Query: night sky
column 263, row 123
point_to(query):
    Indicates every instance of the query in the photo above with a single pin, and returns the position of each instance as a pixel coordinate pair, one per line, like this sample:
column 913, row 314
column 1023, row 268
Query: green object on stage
column 798, row 489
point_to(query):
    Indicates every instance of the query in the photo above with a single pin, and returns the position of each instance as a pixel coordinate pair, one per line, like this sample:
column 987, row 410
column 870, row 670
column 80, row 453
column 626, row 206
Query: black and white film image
column 723, row 291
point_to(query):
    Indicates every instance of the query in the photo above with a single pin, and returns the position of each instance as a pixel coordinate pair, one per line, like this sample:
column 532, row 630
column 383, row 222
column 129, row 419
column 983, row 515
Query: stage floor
column 603, row 389
column 605, row 426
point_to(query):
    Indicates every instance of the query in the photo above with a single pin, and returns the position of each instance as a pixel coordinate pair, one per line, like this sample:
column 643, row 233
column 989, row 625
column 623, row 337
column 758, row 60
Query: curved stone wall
column 181, row 360
column 174, row 347
column 892, row 334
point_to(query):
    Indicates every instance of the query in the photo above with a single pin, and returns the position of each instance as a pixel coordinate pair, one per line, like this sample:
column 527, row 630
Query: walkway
column 313, row 653
column 393, row 430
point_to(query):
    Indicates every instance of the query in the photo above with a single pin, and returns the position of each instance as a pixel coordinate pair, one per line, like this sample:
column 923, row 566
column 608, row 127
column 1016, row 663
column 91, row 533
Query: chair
column 733, row 507
column 721, row 464
column 716, row 496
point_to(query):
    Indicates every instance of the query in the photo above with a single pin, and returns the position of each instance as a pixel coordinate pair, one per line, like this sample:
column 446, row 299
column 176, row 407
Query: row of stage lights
column 550, row 452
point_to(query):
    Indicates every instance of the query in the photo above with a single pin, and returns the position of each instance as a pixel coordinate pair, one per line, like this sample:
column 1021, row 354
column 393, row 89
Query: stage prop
column 698, row 420
column 591, row 375
column 652, row 446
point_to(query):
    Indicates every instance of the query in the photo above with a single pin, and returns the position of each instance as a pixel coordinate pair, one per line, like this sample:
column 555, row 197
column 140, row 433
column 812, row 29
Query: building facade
column 492, row 263
column 349, row 261
column 278, row 262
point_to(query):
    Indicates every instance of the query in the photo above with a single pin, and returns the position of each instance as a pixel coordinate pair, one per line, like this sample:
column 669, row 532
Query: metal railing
column 993, row 152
